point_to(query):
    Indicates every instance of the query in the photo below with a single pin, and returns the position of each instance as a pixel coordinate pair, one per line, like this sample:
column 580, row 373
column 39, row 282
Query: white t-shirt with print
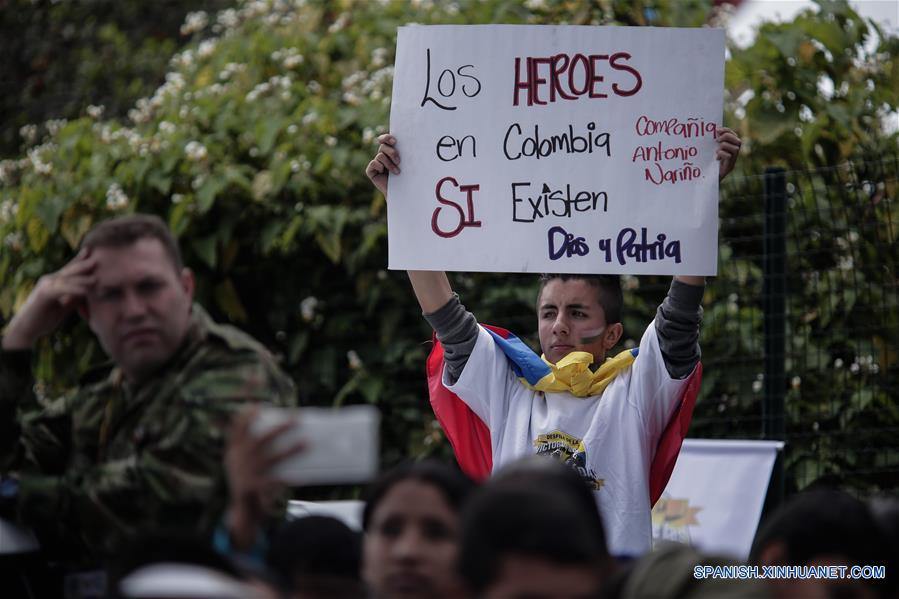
column 610, row 438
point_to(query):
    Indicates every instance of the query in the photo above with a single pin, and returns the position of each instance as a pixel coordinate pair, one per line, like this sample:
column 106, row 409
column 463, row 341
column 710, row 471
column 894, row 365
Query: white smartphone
column 342, row 444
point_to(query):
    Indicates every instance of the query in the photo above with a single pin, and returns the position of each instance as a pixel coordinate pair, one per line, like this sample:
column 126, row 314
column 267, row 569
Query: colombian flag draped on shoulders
column 470, row 438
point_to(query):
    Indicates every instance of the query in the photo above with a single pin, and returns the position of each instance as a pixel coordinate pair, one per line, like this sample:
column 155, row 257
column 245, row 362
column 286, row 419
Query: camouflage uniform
column 111, row 458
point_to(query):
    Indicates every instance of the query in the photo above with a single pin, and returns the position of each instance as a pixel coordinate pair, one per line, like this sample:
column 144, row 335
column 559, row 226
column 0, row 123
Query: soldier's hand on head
column 729, row 145
column 386, row 161
column 249, row 459
column 54, row 297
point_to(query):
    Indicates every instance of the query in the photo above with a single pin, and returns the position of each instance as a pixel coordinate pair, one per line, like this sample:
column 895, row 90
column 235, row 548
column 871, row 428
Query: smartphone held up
column 341, row 444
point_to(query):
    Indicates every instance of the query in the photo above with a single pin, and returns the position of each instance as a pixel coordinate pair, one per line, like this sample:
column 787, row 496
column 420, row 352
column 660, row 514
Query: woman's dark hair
column 449, row 481
column 608, row 288
column 819, row 522
column 315, row 545
column 543, row 511
column 536, row 472
column 317, row 552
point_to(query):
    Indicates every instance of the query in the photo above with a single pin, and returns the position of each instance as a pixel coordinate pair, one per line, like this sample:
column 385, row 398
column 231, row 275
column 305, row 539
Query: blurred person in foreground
column 885, row 509
column 412, row 528
column 317, row 557
column 823, row 527
column 534, row 531
column 669, row 572
column 313, row 557
column 410, row 522
column 139, row 442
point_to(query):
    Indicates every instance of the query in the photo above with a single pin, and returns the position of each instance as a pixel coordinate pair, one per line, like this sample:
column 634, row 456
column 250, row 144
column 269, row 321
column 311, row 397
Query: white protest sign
column 556, row 149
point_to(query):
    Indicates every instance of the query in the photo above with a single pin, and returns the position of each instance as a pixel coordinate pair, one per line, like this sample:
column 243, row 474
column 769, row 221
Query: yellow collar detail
column 572, row 374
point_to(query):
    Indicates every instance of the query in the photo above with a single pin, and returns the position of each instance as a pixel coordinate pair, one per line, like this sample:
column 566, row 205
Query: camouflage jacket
column 110, row 459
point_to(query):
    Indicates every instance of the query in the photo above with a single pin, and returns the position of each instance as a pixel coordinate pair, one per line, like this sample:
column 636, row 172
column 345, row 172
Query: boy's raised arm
column 680, row 314
column 432, row 289
column 456, row 328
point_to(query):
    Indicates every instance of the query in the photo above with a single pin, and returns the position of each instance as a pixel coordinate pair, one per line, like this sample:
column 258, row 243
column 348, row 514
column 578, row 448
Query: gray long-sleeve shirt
column 677, row 326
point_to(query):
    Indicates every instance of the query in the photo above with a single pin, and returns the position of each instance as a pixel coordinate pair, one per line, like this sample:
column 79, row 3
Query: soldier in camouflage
column 138, row 444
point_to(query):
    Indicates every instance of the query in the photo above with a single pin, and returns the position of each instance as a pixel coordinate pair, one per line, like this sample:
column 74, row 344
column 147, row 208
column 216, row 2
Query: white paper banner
column 349, row 511
column 715, row 496
column 556, row 149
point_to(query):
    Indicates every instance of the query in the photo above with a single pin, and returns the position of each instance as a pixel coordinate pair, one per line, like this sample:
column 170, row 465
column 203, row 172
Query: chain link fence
column 801, row 330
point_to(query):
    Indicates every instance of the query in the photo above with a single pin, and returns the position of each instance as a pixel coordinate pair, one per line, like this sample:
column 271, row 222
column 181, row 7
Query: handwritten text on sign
column 556, row 149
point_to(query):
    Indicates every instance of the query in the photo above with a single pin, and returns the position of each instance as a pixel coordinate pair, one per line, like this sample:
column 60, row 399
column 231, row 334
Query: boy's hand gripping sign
column 556, row 149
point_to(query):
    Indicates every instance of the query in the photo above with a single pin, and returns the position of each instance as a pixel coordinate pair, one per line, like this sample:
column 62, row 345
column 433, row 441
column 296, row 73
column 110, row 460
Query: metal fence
column 801, row 331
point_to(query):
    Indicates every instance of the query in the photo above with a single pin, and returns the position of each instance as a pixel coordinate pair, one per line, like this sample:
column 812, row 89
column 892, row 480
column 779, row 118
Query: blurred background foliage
column 247, row 126
column 59, row 57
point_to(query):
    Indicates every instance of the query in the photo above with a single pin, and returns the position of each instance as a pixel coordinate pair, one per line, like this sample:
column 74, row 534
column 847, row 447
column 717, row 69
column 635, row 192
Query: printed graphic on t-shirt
column 569, row 450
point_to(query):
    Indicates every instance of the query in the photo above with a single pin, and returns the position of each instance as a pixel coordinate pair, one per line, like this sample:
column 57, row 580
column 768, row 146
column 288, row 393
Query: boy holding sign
column 604, row 417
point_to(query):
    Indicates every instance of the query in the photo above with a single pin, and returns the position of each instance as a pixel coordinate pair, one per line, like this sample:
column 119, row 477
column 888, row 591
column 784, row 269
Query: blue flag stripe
column 525, row 363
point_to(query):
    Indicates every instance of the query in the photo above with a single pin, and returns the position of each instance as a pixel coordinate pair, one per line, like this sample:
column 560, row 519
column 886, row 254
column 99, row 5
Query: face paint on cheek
column 592, row 335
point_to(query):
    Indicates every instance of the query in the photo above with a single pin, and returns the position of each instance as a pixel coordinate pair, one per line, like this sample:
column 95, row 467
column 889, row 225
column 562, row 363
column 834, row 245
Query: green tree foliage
column 816, row 91
column 816, row 96
column 60, row 57
column 254, row 148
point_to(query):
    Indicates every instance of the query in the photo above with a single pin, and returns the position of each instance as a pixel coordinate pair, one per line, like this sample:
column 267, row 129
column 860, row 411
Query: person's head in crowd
column 411, row 521
column 317, row 557
column 178, row 566
column 885, row 509
column 139, row 302
column 668, row 572
column 534, row 531
column 579, row 313
column 821, row 527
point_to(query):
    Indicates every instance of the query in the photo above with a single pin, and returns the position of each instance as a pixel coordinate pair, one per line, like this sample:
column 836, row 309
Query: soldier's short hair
column 125, row 230
column 608, row 291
